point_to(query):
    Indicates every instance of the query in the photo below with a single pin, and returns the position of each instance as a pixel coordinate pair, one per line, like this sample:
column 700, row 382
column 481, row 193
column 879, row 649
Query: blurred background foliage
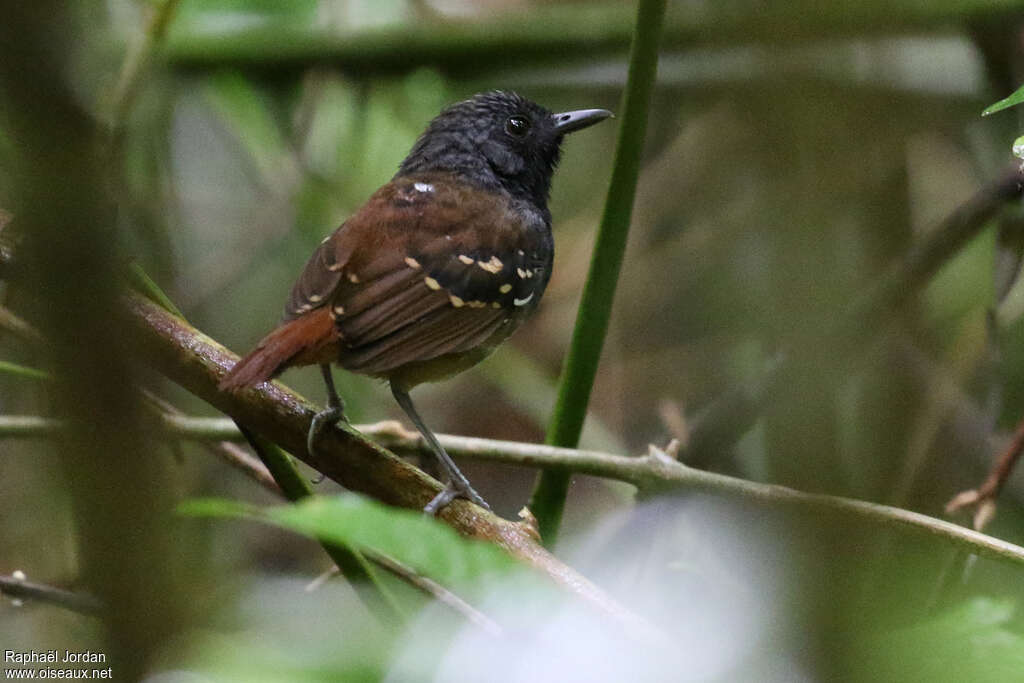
column 794, row 150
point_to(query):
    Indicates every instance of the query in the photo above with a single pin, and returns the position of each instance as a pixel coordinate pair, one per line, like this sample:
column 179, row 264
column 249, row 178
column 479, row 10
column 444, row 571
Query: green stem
column 136, row 61
column 548, row 500
column 7, row 368
column 141, row 282
column 351, row 563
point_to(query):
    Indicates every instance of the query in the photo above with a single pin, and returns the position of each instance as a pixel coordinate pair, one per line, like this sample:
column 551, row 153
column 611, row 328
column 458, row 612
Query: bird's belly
column 435, row 369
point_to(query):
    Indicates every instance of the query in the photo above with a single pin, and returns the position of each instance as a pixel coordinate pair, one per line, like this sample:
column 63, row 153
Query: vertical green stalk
column 577, row 380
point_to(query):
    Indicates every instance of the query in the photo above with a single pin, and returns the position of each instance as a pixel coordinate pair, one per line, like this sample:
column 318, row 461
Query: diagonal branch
column 651, row 472
column 196, row 362
column 733, row 414
column 16, row 586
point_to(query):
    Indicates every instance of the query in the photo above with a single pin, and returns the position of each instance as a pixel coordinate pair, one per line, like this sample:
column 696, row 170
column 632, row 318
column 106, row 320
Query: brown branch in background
column 196, row 362
column 983, row 498
column 18, row 587
column 721, row 425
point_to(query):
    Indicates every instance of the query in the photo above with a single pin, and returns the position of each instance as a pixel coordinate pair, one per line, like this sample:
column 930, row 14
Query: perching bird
column 440, row 266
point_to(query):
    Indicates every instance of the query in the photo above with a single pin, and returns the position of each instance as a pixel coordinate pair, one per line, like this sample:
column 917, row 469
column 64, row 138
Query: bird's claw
column 449, row 493
column 330, row 416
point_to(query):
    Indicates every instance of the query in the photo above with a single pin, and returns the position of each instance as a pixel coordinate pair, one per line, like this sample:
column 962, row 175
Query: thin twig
column 435, row 590
column 16, row 587
column 983, row 498
column 229, row 452
column 649, row 472
column 242, row 460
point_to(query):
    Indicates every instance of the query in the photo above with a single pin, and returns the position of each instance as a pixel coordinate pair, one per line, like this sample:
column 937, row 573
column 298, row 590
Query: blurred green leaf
column 227, row 14
column 964, row 284
column 968, row 643
column 248, row 115
column 1016, row 98
column 16, row 370
column 424, row 544
column 141, row 282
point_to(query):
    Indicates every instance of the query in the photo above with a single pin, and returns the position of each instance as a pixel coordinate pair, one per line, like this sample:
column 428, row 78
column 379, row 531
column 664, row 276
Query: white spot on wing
column 423, row 187
column 522, row 302
column 432, row 283
column 411, row 262
column 492, row 266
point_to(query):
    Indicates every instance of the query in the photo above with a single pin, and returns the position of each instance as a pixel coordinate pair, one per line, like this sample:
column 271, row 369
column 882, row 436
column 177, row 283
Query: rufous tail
column 304, row 341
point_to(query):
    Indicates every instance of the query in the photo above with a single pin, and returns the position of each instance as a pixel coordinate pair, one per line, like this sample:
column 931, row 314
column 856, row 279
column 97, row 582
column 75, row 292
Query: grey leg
column 458, row 486
column 334, row 412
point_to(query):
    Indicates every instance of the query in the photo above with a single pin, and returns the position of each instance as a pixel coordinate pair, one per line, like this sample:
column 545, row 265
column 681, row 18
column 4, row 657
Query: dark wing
column 321, row 275
column 426, row 268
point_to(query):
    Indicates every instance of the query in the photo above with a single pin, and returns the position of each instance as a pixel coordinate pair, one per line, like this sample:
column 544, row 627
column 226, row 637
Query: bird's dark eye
column 517, row 126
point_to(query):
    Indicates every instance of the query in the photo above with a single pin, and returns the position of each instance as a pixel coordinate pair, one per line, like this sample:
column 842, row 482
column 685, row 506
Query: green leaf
column 141, row 282
column 7, row 368
column 248, row 113
column 964, row 284
column 424, row 544
column 1016, row 98
column 972, row 642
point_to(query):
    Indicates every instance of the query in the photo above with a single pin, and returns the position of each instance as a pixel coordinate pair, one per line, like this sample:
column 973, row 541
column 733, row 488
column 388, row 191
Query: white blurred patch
column 706, row 573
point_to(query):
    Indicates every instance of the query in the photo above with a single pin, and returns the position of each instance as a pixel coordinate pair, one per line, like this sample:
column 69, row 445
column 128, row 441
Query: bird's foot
column 330, row 416
column 450, row 492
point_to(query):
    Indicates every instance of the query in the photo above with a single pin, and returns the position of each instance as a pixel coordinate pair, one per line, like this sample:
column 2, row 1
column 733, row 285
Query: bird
column 439, row 266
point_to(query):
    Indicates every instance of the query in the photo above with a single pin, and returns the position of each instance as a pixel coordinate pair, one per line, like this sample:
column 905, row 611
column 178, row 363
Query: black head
column 498, row 140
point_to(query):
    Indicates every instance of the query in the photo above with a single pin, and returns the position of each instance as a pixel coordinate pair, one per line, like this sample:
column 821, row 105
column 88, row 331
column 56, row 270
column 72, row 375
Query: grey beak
column 571, row 121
